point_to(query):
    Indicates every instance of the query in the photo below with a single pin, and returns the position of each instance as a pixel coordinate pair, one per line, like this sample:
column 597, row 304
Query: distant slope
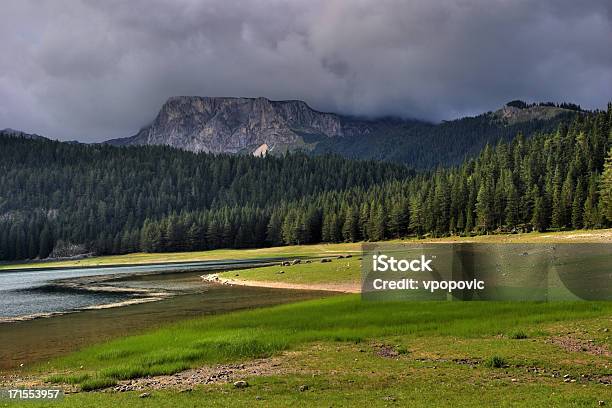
column 425, row 145
column 245, row 125
column 8, row 132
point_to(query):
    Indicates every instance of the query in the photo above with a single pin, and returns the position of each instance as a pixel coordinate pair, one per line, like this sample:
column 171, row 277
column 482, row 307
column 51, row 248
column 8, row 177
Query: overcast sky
column 93, row 70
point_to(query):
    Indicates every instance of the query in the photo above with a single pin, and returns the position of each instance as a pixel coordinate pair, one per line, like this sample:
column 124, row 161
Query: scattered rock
column 389, row 398
column 296, row 261
column 237, row 274
column 308, row 261
column 144, row 395
column 241, row 384
column 387, row 351
column 514, row 380
column 601, row 403
column 566, row 376
column 340, row 257
column 285, row 263
column 280, row 272
column 303, row 388
column 258, row 397
column 605, row 330
column 325, row 260
column 577, row 345
column 348, row 256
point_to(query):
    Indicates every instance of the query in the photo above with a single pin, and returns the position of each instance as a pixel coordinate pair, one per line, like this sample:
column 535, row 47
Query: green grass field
column 442, row 349
column 345, row 270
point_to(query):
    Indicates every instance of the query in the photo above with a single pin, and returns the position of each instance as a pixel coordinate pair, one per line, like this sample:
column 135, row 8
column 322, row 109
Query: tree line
column 57, row 197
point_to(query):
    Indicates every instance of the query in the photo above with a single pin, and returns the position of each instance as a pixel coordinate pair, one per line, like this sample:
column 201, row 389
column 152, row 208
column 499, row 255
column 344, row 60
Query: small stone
column 601, row 403
column 258, row 397
column 280, row 272
column 389, row 398
column 303, row 388
column 514, row 380
column 144, row 395
column 241, row 384
column 605, row 330
column 566, row 376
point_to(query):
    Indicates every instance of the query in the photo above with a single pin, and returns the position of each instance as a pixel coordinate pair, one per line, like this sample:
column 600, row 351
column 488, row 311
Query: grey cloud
column 92, row 70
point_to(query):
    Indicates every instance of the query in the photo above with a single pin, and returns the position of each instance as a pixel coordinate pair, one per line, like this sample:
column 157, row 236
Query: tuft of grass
column 518, row 335
column 67, row 379
column 495, row 362
column 97, row 384
column 402, row 350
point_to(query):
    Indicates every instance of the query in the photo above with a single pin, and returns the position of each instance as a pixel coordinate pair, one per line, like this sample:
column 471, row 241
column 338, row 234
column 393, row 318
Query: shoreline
column 95, row 284
column 326, row 287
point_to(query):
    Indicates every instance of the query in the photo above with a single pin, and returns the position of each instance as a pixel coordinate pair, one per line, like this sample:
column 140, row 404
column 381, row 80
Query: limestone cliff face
column 231, row 125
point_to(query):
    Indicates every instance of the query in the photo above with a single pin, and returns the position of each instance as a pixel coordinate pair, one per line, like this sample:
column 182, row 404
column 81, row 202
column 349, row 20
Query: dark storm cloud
column 93, row 70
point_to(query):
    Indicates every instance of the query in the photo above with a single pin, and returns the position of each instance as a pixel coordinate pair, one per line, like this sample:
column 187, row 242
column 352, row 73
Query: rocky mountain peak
column 228, row 124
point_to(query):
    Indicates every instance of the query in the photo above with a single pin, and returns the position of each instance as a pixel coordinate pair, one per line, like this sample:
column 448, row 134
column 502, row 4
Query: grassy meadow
column 462, row 353
column 345, row 271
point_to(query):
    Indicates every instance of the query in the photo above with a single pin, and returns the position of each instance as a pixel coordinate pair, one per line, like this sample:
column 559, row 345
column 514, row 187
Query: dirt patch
column 467, row 361
column 605, row 379
column 188, row 379
column 580, row 346
column 387, row 351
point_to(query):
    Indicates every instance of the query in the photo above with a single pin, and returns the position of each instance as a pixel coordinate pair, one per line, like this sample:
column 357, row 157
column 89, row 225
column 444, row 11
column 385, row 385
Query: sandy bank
column 330, row 287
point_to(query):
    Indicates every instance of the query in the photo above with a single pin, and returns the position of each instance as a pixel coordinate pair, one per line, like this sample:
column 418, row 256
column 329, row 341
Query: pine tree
column 578, row 206
column 45, row 243
column 350, row 228
column 274, row 230
column 484, row 204
column 606, row 187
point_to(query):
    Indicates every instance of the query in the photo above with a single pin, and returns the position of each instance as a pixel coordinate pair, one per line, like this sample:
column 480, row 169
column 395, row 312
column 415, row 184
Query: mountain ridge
column 262, row 126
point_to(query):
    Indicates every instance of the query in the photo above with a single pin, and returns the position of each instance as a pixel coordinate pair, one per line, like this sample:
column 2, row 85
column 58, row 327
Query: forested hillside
column 99, row 196
column 61, row 199
column 426, row 145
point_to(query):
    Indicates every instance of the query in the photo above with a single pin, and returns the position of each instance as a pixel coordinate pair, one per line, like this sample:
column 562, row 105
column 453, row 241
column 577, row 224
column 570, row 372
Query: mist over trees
column 108, row 200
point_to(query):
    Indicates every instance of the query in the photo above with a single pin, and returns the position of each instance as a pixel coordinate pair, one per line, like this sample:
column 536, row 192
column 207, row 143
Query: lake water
column 42, row 291
column 37, row 340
